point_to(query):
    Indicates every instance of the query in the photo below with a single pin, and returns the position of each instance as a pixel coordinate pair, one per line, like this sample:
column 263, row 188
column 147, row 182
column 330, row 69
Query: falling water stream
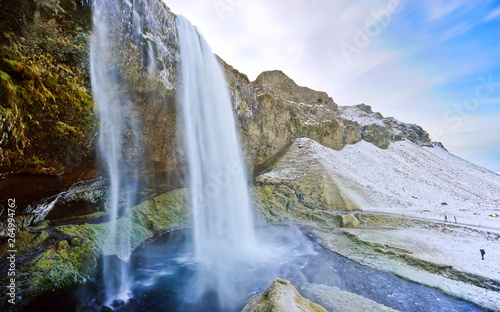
column 113, row 126
column 124, row 32
column 223, row 232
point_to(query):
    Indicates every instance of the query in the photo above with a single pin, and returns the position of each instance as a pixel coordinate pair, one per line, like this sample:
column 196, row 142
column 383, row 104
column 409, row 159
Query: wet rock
column 71, row 252
column 106, row 309
column 83, row 198
column 281, row 296
column 118, row 303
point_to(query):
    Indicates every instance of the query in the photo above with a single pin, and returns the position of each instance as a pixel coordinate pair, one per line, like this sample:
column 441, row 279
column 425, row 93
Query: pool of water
column 167, row 278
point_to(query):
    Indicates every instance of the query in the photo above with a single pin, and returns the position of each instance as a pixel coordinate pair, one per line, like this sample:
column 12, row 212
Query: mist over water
column 167, row 278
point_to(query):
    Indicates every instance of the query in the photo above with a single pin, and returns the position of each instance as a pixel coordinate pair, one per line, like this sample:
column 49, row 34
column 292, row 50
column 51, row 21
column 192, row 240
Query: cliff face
column 273, row 110
column 48, row 118
column 46, row 107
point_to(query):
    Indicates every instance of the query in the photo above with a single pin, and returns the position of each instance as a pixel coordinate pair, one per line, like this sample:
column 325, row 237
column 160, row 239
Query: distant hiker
column 262, row 182
column 455, row 219
column 445, row 218
column 482, row 253
column 300, row 195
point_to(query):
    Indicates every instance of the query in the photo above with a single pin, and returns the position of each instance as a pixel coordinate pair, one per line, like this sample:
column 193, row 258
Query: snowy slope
column 404, row 179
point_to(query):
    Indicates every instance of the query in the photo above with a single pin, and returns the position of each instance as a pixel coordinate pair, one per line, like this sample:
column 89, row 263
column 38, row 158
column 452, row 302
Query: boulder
column 281, row 296
column 349, row 221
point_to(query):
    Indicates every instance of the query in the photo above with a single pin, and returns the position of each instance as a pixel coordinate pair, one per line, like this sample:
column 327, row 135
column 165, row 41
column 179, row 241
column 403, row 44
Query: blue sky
column 435, row 63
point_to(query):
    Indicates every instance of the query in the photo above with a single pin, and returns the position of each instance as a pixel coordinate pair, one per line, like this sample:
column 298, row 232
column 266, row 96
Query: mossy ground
column 25, row 241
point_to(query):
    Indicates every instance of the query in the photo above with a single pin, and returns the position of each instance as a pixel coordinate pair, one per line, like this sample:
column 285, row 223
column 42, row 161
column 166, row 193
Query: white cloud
column 456, row 30
column 438, row 9
column 492, row 15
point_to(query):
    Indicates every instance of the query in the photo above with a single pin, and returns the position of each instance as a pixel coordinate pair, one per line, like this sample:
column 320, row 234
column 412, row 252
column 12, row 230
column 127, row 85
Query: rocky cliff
column 45, row 100
column 49, row 122
column 273, row 110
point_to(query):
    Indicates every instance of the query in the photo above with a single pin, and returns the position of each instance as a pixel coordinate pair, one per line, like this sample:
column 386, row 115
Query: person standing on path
column 482, row 253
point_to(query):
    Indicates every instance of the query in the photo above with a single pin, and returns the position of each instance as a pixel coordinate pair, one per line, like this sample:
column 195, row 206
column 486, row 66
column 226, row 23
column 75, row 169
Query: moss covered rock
column 163, row 212
column 349, row 221
column 46, row 108
column 72, row 258
column 281, row 296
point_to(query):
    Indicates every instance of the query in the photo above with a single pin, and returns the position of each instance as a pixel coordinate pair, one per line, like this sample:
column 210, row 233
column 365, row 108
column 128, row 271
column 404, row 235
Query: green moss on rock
column 164, row 212
column 60, row 267
column 25, row 241
column 73, row 258
column 46, row 111
column 349, row 221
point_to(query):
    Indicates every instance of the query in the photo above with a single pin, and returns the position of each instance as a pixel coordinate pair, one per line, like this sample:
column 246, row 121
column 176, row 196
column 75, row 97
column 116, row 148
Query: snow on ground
column 455, row 246
column 413, row 182
column 445, row 248
column 424, row 182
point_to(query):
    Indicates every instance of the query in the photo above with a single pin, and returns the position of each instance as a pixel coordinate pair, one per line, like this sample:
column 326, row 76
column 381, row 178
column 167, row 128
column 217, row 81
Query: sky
column 435, row 63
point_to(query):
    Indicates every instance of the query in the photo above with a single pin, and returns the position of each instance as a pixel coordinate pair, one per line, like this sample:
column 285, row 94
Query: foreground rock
column 281, row 296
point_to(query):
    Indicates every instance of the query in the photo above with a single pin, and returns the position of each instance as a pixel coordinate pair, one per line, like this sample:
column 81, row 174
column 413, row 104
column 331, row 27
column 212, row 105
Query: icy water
column 167, row 276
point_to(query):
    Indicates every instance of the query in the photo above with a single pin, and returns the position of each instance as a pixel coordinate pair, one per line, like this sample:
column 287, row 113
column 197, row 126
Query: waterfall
column 112, row 137
column 223, row 231
column 127, row 43
column 132, row 47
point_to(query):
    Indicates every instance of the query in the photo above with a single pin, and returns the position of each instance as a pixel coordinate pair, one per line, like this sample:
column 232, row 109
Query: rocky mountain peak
column 365, row 108
column 290, row 91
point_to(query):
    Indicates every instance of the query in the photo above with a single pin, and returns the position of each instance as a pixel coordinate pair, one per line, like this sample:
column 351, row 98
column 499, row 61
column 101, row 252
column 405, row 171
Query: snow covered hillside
column 424, row 182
